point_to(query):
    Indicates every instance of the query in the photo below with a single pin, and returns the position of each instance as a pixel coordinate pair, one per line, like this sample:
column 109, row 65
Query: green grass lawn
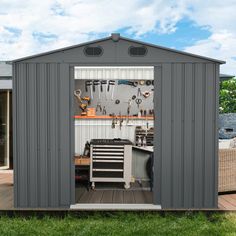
column 123, row 224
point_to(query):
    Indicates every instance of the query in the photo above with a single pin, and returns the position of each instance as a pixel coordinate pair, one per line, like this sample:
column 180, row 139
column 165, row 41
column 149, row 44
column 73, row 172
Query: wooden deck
column 6, row 189
column 226, row 202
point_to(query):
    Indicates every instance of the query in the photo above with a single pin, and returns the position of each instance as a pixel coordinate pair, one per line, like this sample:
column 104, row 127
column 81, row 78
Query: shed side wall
column 186, row 130
column 42, row 135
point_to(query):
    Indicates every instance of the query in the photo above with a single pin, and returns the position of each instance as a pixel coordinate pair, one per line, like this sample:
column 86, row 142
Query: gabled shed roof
column 117, row 37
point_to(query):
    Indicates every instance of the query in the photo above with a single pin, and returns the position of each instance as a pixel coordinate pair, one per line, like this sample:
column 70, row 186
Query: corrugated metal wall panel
column 42, row 146
column 188, row 135
column 187, row 112
column 209, row 136
column 157, row 173
column 32, row 138
column 177, row 145
column 88, row 129
column 121, row 72
column 199, row 134
column 166, row 132
column 53, row 104
column 185, row 135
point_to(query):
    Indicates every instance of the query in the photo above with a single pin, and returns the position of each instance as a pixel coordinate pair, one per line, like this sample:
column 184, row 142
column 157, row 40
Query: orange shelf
column 110, row 117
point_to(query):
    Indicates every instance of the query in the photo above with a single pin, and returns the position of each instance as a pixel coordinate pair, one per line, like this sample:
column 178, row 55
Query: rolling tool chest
column 111, row 161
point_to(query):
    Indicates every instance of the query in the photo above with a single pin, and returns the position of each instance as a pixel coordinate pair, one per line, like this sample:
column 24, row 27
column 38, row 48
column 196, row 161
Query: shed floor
column 113, row 196
column 226, row 201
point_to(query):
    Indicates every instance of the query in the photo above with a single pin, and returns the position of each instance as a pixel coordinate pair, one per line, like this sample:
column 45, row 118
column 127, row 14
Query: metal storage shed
column 186, row 135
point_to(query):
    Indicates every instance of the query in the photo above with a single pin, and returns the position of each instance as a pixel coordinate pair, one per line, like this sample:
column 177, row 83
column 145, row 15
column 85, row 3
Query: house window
column 93, row 51
column 137, row 51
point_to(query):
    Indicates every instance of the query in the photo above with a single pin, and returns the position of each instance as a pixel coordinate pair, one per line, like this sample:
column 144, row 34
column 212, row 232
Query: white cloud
column 28, row 27
column 73, row 21
column 219, row 17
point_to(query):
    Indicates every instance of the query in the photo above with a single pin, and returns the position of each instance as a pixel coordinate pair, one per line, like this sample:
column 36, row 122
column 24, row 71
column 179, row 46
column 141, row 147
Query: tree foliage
column 228, row 96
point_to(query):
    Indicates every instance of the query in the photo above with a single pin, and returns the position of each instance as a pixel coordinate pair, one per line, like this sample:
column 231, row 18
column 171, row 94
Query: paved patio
column 226, row 201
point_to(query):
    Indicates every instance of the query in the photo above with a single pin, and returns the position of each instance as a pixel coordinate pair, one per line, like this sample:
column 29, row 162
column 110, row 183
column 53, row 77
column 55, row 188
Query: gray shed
column 185, row 134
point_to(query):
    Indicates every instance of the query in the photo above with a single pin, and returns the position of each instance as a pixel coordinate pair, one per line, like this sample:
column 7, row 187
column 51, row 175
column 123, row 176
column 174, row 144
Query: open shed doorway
column 114, row 134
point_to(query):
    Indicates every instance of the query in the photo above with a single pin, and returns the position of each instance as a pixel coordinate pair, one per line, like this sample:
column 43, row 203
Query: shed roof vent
column 137, row 51
column 93, row 51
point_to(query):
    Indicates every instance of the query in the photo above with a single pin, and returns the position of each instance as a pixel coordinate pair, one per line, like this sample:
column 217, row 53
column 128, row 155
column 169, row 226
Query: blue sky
column 186, row 34
column 200, row 27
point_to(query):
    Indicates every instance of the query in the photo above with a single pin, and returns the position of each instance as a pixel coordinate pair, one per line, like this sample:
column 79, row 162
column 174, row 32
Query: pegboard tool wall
column 121, row 92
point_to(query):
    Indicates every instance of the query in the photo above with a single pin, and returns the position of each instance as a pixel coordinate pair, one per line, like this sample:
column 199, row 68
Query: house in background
column 5, row 116
column 224, row 77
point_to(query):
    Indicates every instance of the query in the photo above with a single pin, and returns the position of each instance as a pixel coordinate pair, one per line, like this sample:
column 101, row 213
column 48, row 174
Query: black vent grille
column 137, row 51
column 93, row 51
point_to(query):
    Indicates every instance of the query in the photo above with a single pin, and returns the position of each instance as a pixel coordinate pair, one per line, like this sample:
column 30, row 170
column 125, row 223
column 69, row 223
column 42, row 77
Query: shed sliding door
column 186, row 105
column 42, row 135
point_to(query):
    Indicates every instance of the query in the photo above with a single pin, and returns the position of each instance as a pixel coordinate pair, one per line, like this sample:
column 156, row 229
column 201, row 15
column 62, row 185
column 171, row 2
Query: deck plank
column 107, row 196
column 118, row 196
column 129, row 197
column 97, row 196
column 139, row 196
column 87, row 195
column 148, row 196
column 223, row 200
column 230, row 200
column 79, row 193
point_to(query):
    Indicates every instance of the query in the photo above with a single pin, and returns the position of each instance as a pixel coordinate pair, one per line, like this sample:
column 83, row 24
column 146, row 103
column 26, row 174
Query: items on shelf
column 144, row 136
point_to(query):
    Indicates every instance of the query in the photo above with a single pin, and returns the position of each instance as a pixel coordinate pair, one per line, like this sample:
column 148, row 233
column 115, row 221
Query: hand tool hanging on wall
column 89, row 83
column 139, row 92
column 87, row 99
column 113, row 125
column 99, row 107
column 148, row 82
column 97, row 83
column 141, row 82
column 138, row 101
column 141, row 112
column 146, row 94
column 128, row 110
column 121, row 120
column 127, row 82
column 133, row 97
column 112, row 84
column 104, row 111
column 77, row 94
column 83, row 108
column 104, row 82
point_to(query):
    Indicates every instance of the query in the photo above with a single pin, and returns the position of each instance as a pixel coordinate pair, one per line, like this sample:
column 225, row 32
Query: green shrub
column 227, row 102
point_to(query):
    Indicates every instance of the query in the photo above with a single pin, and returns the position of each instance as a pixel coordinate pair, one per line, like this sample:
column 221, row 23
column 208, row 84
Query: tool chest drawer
column 107, row 174
column 108, row 165
column 110, row 161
